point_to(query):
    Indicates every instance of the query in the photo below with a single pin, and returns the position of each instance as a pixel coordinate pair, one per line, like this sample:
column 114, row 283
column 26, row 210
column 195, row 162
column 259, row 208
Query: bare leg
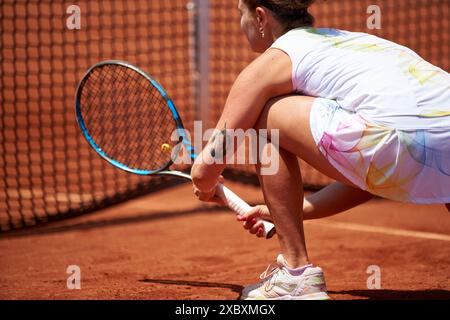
column 283, row 191
column 287, row 209
column 290, row 115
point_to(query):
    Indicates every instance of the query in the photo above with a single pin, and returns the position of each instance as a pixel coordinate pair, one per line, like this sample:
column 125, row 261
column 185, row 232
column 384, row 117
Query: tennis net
column 47, row 169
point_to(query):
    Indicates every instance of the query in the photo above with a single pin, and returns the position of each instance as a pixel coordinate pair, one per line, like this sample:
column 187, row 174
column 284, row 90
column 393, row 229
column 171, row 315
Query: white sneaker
column 278, row 284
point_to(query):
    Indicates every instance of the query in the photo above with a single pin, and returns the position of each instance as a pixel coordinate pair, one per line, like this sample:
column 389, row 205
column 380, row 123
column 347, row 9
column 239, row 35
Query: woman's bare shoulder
column 272, row 69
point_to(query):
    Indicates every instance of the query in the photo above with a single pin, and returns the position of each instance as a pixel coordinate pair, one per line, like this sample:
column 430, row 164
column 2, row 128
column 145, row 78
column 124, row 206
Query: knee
column 277, row 109
column 263, row 120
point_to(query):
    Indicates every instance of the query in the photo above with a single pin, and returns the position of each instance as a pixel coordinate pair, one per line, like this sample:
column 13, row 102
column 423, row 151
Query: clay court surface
column 170, row 246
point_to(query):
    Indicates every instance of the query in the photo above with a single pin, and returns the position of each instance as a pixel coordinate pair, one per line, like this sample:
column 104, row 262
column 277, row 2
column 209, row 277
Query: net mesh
column 48, row 171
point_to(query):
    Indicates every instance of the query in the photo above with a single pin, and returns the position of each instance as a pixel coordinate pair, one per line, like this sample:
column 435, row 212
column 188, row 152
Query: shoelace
column 271, row 269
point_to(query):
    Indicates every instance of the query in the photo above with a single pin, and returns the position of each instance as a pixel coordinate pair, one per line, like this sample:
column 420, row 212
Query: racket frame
column 183, row 139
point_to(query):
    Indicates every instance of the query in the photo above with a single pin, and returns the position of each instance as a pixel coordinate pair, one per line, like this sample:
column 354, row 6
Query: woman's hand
column 251, row 222
column 209, row 196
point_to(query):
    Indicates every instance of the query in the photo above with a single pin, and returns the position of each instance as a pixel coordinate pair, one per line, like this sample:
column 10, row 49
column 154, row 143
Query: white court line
column 383, row 230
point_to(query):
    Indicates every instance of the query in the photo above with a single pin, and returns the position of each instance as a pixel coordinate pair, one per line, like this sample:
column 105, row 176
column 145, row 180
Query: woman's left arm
column 268, row 76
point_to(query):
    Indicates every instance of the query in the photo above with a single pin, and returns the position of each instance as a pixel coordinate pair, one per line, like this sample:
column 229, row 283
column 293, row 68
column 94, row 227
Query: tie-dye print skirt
column 408, row 166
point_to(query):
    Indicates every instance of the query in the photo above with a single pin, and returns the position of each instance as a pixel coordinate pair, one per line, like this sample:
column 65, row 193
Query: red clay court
column 170, row 246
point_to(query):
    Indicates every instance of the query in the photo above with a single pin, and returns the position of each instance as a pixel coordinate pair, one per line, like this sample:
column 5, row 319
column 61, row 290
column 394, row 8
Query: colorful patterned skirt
column 402, row 165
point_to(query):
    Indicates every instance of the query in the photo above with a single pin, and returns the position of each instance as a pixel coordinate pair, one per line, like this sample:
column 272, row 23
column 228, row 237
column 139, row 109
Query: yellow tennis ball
column 165, row 147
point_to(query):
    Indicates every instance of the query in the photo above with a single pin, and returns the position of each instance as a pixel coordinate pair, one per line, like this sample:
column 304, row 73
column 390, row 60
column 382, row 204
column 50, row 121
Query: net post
column 202, row 61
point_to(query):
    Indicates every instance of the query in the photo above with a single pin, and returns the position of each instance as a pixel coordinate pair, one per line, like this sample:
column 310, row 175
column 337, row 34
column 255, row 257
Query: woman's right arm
column 331, row 200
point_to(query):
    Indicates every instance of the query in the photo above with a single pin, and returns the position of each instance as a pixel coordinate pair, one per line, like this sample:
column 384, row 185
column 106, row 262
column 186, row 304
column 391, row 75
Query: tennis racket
column 129, row 120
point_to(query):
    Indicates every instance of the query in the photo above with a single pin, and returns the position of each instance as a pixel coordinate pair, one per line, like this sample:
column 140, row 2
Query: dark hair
column 290, row 13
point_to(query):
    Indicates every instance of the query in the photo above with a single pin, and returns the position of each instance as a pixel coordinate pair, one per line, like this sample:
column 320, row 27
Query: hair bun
column 290, row 13
column 300, row 4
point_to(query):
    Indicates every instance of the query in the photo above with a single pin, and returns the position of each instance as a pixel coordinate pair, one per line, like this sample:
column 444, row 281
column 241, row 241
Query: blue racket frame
column 176, row 117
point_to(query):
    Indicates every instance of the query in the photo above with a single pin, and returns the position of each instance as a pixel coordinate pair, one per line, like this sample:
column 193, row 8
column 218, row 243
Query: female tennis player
column 367, row 112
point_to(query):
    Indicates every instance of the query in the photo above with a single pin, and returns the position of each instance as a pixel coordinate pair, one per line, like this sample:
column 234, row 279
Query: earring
column 262, row 32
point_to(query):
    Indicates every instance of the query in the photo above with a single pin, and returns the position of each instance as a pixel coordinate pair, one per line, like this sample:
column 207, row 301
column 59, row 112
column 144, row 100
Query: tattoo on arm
column 220, row 143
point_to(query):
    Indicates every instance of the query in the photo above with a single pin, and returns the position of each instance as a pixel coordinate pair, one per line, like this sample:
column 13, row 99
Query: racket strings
column 127, row 117
column 155, row 123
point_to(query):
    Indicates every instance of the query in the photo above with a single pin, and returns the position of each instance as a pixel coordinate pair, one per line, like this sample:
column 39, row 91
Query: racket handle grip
column 241, row 207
